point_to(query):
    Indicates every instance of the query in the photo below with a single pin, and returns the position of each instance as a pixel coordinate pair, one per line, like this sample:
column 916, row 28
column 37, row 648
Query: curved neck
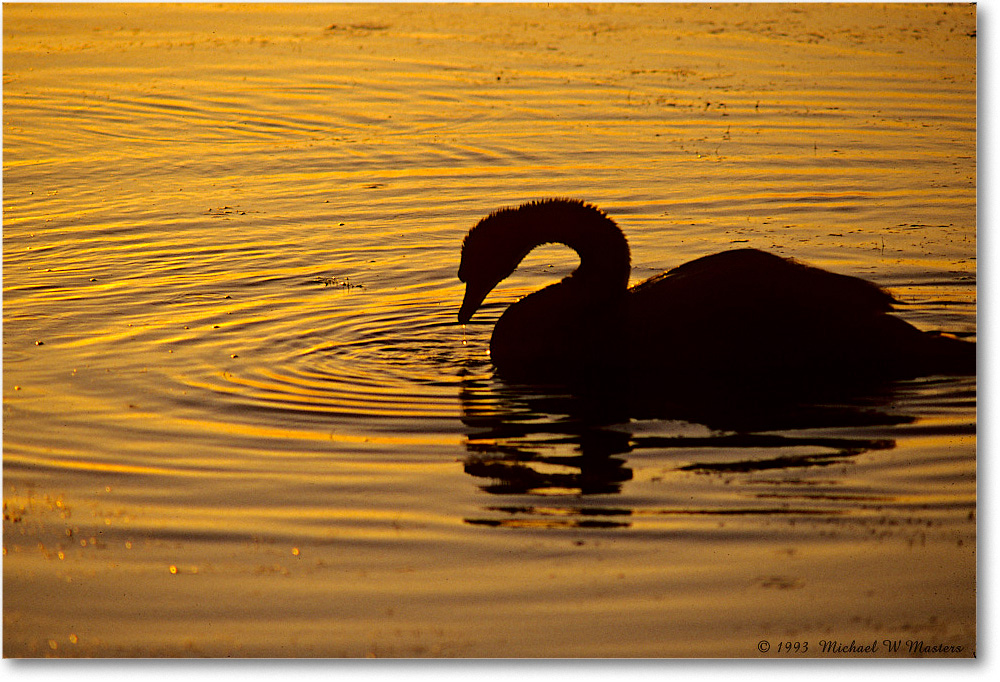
column 603, row 250
column 499, row 242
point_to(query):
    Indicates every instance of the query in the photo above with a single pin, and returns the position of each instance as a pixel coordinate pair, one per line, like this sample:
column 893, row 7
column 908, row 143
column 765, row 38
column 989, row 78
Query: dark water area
column 241, row 417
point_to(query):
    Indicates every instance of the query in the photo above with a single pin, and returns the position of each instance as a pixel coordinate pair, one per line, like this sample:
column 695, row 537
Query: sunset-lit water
column 240, row 417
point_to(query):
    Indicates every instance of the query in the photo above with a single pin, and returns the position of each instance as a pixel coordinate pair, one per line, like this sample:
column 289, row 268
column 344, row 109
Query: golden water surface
column 239, row 415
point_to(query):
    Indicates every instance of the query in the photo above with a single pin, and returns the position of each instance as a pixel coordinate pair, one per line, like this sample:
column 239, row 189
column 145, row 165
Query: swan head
column 489, row 255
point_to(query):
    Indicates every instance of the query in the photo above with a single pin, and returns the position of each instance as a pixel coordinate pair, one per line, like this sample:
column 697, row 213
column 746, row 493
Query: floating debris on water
column 357, row 28
column 225, row 210
column 344, row 283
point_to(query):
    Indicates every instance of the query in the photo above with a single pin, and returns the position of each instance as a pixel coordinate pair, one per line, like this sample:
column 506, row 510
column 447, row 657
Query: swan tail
column 946, row 354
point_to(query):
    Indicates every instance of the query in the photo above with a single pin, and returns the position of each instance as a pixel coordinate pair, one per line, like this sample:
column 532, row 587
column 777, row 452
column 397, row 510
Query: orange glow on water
column 234, row 377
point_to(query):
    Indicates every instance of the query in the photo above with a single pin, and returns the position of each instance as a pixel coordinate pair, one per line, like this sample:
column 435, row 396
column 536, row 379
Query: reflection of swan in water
column 740, row 316
column 556, row 460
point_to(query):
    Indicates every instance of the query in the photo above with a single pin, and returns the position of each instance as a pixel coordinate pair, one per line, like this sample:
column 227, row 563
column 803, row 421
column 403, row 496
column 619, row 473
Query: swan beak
column 474, row 296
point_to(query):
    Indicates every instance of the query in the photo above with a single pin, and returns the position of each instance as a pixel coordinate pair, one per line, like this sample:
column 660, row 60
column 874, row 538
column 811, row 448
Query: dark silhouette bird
column 738, row 317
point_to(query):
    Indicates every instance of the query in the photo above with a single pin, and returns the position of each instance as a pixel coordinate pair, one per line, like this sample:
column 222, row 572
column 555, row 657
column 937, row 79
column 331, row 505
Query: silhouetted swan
column 740, row 315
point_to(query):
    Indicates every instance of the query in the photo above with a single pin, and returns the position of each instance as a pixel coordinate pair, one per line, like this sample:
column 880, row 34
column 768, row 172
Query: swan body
column 740, row 315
